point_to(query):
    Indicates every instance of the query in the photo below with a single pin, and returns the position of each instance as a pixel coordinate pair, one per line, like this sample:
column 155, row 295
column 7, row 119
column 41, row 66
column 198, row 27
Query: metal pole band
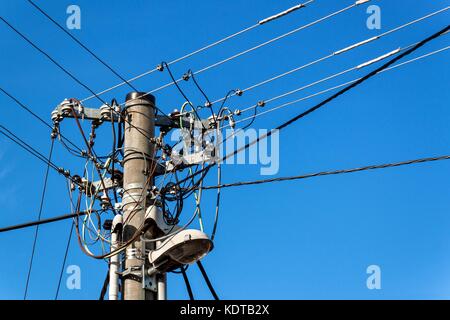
column 139, row 98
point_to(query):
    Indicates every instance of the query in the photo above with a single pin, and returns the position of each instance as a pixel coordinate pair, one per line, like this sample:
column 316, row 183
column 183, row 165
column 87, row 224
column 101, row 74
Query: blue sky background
column 309, row 239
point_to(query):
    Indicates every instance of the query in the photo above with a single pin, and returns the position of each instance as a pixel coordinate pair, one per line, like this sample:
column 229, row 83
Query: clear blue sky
column 296, row 240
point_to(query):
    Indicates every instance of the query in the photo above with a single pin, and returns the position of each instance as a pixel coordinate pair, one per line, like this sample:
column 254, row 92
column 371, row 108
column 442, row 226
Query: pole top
column 140, row 96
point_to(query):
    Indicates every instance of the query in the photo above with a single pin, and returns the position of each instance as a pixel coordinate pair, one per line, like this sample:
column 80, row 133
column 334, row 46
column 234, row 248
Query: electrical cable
column 338, row 52
column 341, row 85
column 36, row 230
column 67, row 72
column 331, row 172
column 260, row 22
column 14, row 138
column 322, row 173
column 64, row 260
column 42, row 221
column 81, row 44
column 23, row 106
column 104, row 286
column 208, row 283
column 86, row 48
column 257, row 46
column 330, row 77
column 188, row 285
column 181, row 91
column 329, row 99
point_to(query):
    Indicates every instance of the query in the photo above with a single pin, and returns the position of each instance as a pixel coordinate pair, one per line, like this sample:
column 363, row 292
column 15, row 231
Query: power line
column 209, row 46
column 104, row 286
column 45, row 221
column 51, row 59
column 208, row 283
column 27, row 147
column 187, row 283
column 23, row 106
column 339, row 86
column 66, row 71
column 14, row 138
column 261, row 45
column 340, row 73
column 64, row 260
column 337, row 52
column 244, row 183
column 327, row 173
column 36, row 230
column 81, row 44
column 324, row 102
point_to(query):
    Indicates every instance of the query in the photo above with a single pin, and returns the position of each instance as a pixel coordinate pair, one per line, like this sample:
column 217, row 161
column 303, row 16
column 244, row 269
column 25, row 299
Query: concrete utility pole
column 139, row 128
column 146, row 263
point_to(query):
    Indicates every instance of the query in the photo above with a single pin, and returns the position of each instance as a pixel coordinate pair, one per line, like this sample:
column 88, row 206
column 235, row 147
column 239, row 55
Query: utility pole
column 145, row 263
column 137, row 164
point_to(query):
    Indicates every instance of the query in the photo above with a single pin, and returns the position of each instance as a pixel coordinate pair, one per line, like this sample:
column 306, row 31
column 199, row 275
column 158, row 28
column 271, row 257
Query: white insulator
column 55, row 116
column 384, row 56
column 105, row 112
column 283, row 13
column 361, row 2
column 353, row 46
column 66, row 106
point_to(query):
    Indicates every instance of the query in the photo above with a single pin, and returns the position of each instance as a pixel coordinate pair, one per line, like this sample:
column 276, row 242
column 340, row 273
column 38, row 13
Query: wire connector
column 208, row 104
column 186, row 76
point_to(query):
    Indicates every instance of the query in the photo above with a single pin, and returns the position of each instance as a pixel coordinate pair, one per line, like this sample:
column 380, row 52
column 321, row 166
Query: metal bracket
column 149, row 282
column 109, row 184
column 96, row 114
column 133, row 273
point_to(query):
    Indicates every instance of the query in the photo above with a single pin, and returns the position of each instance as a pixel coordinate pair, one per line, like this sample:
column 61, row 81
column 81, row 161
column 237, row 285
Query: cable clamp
column 208, row 104
column 186, row 76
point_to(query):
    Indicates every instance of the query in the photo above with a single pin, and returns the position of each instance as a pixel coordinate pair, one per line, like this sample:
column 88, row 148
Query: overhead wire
column 263, row 181
column 34, row 114
column 339, row 86
column 209, row 46
column 208, row 282
column 36, row 230
column 81, row 44
column 338, row 52
column 335, row 75
column 260, row 45
column 187, row 283
column 66, row 252
column 42, row 221
column 70, row 74
column 329, row 99
column 14, row 138
column 329, row 172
